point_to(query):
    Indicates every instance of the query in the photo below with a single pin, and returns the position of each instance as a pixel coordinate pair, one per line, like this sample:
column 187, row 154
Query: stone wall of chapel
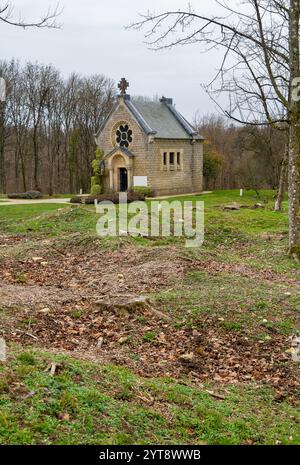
column 187, row 179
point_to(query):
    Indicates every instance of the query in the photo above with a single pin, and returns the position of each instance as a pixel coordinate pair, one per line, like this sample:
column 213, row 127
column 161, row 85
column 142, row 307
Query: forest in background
column 47, row 127
column 245, row 156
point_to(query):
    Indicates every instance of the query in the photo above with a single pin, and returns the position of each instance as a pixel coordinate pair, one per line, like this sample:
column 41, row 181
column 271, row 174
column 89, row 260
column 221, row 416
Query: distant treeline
column 47, row 126
column 241, row 156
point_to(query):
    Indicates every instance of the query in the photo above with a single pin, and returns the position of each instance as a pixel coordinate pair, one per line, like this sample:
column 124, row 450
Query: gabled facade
column 150, row 143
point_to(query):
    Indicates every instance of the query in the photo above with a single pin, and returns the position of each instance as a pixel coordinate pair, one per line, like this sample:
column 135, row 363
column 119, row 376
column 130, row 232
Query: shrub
column 144, row 191
column 134, row 196
column 76, row 200
column 34, row 194
column 22, row 195
column 100, row 198
column 96, row 180
column 96, row 189
column 96, row 168
column 26, row 195
column 131, row 197
column 212, row 162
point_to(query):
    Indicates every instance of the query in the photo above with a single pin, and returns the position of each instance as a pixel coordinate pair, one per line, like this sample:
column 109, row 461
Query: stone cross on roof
column 123, row 85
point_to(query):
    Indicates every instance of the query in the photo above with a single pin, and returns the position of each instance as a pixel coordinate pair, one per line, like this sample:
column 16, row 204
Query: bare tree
column 47, row 133
column 259, row 70
column 38, row 82
column 52, row 125
column 282, row 179
column 47, row 20
column 17, row 118
column 7, row 17
column 3, row 136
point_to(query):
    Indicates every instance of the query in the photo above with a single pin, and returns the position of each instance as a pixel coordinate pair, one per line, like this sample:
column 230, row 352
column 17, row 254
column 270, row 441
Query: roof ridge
column 181, row 119
column 139, row 117
column 157, row 125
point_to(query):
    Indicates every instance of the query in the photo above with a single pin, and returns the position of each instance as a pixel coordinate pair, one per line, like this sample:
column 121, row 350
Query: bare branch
column 48, row 20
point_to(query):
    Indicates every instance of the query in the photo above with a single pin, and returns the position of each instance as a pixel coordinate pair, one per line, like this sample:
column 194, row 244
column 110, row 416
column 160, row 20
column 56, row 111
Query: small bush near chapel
column 96, row 184
column 76, row 199
column 96, row 189
column 144, row 191
column 113, row 197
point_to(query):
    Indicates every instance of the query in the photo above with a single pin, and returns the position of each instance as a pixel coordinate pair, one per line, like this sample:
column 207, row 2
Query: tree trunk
column 2, row 143
column 36, row 160
column 23, row 171
column 294, row 190
column 294, row 151
column 282, row 180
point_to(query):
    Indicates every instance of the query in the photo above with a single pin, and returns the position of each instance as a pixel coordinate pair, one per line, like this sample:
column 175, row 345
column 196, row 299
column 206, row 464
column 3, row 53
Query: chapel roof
column 157, row 118
column 161, row 118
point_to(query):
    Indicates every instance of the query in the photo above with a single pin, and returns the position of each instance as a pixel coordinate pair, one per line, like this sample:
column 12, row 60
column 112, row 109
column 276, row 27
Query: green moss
column 294, row 252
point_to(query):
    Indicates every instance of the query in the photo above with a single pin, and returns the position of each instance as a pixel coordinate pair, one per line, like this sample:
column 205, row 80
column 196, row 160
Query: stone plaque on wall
column 140, row 181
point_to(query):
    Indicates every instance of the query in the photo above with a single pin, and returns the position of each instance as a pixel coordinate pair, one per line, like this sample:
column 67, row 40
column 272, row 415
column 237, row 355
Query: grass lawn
column 207, row 361
column 94, row 404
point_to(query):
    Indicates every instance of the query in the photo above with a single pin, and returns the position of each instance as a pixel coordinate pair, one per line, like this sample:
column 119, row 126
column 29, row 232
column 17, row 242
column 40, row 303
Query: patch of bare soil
column 11, row 240
column 150, row 344
column 14, row 295
column 70, row 302
column 246, row 271
column 98, row 271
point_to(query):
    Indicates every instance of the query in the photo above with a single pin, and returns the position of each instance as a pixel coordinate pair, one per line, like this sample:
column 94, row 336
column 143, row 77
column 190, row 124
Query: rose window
column 124, row 135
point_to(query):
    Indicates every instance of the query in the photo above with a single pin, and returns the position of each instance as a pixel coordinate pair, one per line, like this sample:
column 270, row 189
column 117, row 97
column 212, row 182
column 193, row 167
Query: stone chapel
column 149, row 144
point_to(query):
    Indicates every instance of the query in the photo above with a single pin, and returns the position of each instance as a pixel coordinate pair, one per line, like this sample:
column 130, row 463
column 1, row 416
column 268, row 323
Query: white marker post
column 2, row 89
column 2, row 350
column 241, row 192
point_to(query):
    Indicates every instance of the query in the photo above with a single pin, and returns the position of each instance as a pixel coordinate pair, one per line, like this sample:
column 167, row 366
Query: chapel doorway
column 123, row 179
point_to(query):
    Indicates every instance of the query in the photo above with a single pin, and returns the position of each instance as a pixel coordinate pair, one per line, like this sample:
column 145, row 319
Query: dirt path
column 32, row 202
column 35, row 296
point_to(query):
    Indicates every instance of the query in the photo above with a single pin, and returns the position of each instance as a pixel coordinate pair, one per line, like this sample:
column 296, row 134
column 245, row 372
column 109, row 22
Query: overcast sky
column 93, row 39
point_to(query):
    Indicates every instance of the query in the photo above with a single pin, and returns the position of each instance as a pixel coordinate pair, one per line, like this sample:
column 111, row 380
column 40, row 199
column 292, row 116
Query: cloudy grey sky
column 93, row 40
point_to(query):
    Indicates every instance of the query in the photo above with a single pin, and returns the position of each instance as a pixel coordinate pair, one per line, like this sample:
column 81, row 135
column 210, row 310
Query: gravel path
column 31, row 202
